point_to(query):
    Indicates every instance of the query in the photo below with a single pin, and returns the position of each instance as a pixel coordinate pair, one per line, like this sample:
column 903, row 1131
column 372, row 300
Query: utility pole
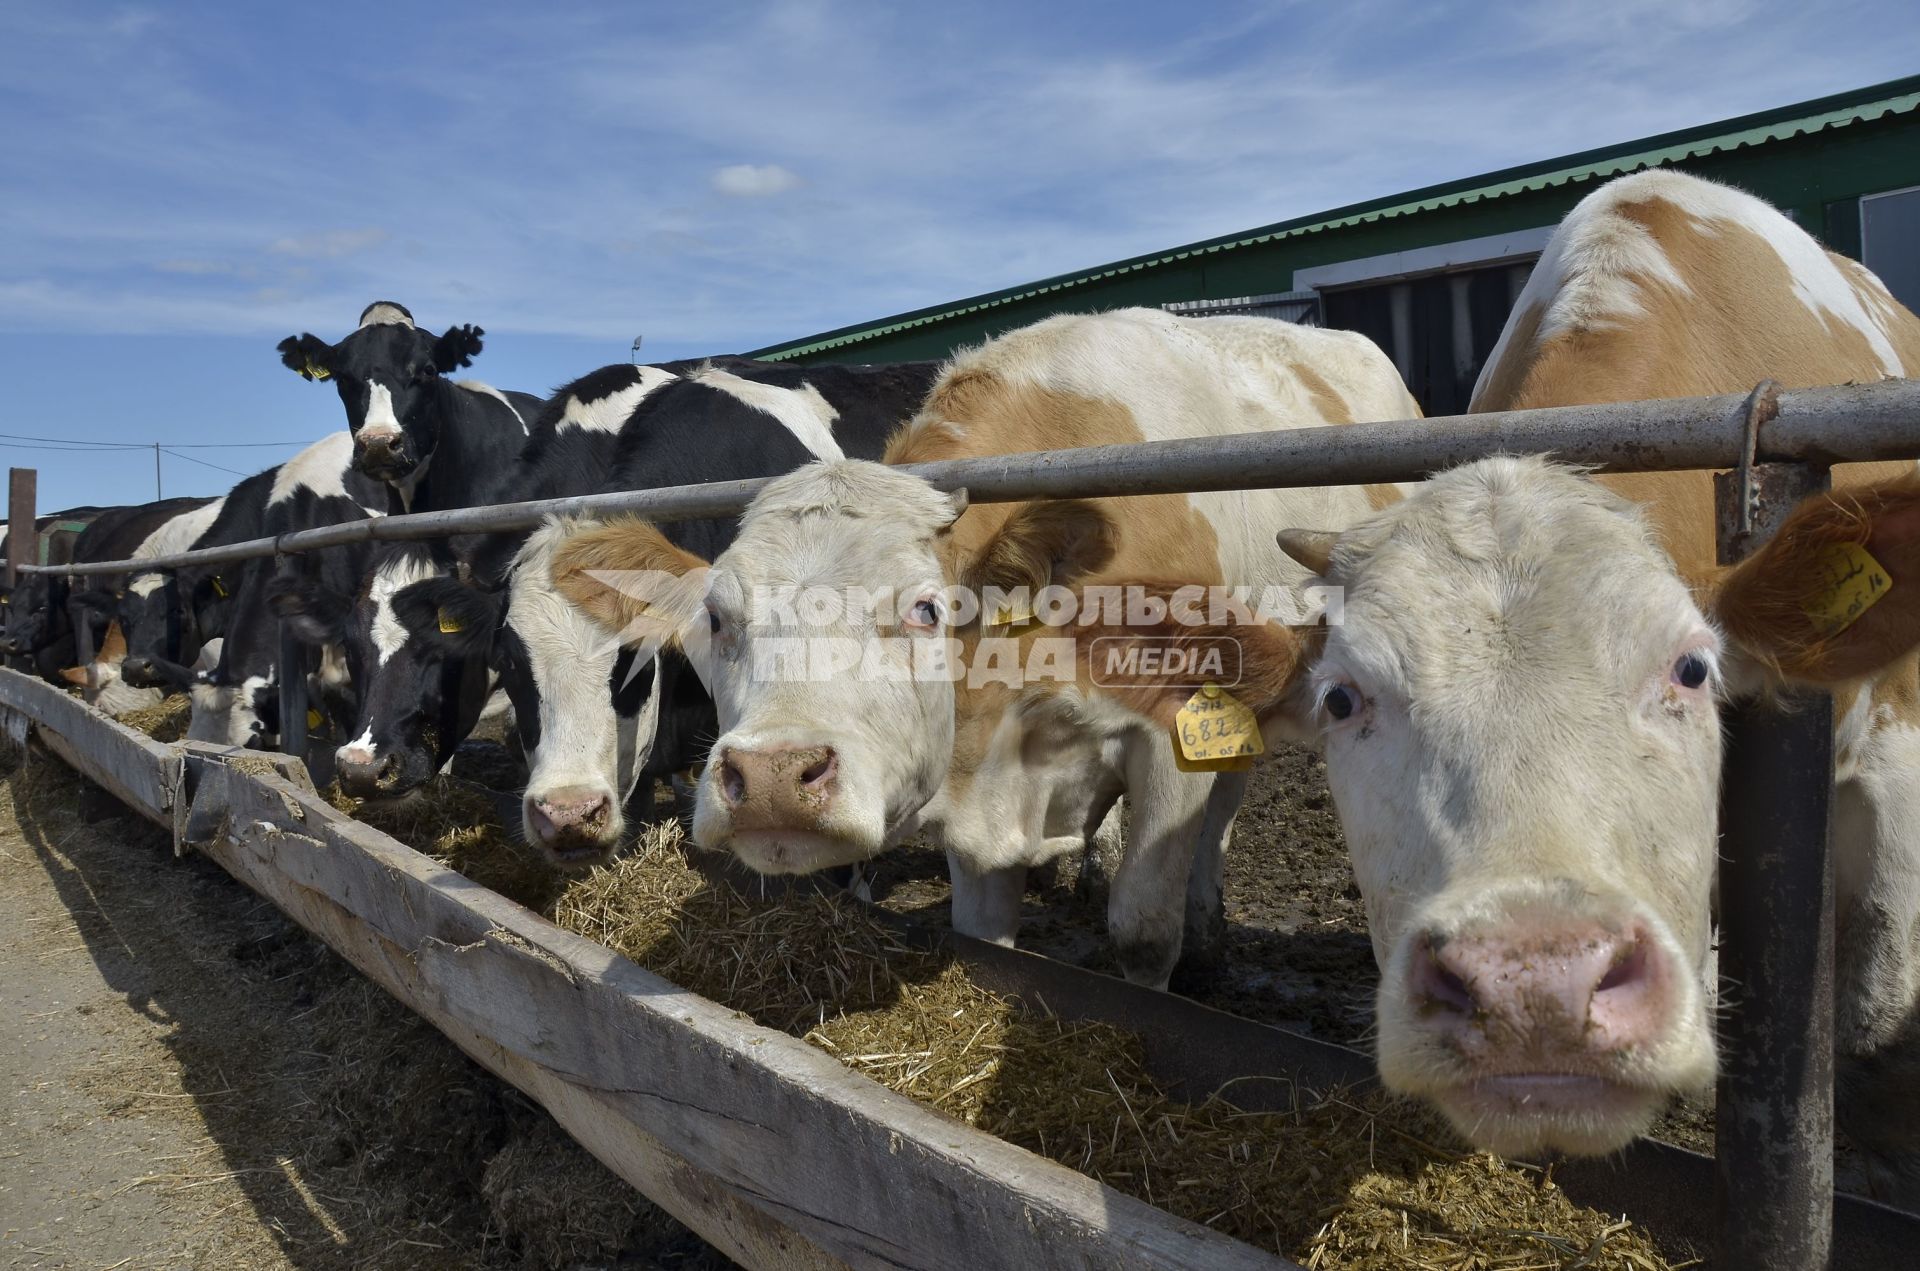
column 157, row 496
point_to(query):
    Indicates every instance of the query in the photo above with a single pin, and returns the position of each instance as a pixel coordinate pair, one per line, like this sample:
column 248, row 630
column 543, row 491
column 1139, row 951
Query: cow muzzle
column 776, row 808
column 573, row 826
column 1545, row 1032
column 381, row 453
column 366, row 774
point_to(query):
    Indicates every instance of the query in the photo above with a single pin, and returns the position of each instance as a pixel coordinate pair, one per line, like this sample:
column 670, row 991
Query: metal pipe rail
column 1844, row 424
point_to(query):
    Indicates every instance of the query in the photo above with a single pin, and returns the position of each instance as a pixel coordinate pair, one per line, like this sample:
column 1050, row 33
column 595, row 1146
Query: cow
column 57, row 534
column 147, row 604
column 816, row 769
column 43, row 613
column 439, row 443
column 594, row 724
column 235, row 703
column 1519, row 712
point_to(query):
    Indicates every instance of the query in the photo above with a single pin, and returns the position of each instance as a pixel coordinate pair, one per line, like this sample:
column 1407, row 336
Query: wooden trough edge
column 772, row 1151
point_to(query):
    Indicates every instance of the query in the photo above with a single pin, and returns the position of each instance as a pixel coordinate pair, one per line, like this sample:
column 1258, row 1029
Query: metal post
column 293, row 694
column 1774, row 1113
column 157, row 495
column 22, row 541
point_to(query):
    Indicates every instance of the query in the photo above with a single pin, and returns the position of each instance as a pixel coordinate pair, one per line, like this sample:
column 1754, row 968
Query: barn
column 1430, row 274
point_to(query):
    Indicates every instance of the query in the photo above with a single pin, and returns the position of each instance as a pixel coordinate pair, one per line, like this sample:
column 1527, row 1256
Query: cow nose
column 569, row 813
column 1576, row 986
column 134, row 667
column 779, row 787
column 361, row 771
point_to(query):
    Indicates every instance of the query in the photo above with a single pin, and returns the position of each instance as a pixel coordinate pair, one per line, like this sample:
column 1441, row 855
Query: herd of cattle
column 1519, row 709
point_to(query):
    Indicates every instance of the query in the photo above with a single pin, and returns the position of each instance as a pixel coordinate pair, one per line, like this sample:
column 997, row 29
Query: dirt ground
column 191, row 1081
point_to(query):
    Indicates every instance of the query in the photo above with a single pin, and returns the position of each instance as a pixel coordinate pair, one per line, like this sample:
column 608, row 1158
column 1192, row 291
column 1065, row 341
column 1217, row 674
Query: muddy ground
column 192, row 1081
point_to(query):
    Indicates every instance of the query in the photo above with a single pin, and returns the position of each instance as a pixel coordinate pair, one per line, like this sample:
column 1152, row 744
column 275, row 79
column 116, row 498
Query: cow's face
column 396, row 740
column 1522, row 739
column 586, row 710
column 388, row 375
column 821, row 635
column 158, row 627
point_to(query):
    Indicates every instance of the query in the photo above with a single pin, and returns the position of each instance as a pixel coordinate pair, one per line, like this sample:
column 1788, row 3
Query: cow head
column 1520, row 719
column 158, row 628
column 823, row 634
column 388, row 374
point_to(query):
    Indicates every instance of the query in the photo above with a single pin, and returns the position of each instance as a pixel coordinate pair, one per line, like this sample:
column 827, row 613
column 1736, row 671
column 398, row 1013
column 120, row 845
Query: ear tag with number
column 449, row 624
column 314, row 719
column 318, row 372
column 1216, row 732
column 1850, row 582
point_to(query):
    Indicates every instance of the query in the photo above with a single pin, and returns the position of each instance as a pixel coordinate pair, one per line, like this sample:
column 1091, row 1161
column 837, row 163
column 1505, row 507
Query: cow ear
column 1052, row 543
column 457, row 348
column 1153, row 667
column 316, row 613
column 458, row 618
column 75, row 675
column 1835, row 594
column 627, row 577
column 307, row 354
column 114, row 647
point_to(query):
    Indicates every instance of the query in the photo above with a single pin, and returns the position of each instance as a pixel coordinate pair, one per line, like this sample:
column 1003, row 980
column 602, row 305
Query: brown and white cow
column 1519, row 713
column 818, row 769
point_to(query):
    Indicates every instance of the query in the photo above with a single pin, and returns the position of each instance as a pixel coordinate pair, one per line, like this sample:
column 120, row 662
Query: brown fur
column 619, row 545
column 1738, row 323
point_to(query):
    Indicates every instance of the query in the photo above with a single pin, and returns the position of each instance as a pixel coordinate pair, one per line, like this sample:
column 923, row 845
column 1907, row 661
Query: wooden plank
column 644, row 1073
column 141, row 772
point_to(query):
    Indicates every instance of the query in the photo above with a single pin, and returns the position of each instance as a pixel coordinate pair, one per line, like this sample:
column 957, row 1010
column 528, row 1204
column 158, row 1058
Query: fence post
column 1774, row 1112
column 22, row 541
column 293, row 694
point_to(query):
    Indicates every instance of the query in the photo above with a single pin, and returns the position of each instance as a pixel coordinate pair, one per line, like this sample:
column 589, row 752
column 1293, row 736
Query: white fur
column 177, row 535
column 608, row 414
column 802, row 411
column 321, row 468
column 487, row 390
column 386, row 314
column 584, row 743
column 361, row 749
column 380, row 422
column 389, row 633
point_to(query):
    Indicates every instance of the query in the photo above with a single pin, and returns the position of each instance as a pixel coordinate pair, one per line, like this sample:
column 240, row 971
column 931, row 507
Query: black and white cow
column 43, row 611
column 591, row 725
column 236, row 701
column 439, row 443
column 56, row 535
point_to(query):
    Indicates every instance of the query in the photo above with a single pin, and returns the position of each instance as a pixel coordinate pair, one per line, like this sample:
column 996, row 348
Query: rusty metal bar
column 22, row 542
column 1773, row 1145
column 1845, row 424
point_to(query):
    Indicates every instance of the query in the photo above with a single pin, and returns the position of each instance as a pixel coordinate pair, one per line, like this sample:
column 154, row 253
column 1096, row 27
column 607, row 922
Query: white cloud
column 331, row 244
column 754, row 181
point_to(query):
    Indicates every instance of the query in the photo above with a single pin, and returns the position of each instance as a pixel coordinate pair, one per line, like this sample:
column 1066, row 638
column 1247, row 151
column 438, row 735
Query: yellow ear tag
column 314, row 719
column 219, row 588
column 1216, row 732
column 318, row 372
column 449, row 624
column 1850, row 582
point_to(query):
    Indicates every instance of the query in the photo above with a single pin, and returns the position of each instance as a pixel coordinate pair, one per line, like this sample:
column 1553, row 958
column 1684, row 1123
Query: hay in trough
column 165, row 721
column 1342, row 1180
column 458, row 824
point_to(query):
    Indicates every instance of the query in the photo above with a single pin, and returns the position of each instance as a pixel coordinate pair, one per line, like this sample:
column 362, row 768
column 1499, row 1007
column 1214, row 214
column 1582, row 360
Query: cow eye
column 713, row 622
column 925, row 614
column 1691, row 671
column 1340, row 701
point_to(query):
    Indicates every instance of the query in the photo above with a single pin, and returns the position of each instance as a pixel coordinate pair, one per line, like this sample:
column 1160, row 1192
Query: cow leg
column 1145, row 909
column 1206, row 938
column 986, row 903
column 1106, row 846
column 1876, row 836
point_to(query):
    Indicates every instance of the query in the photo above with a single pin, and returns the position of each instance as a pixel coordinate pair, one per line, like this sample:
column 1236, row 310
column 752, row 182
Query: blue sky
column 185, row 184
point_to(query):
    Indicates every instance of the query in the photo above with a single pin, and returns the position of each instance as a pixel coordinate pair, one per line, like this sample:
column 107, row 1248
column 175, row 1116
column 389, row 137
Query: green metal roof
column 1895, row 97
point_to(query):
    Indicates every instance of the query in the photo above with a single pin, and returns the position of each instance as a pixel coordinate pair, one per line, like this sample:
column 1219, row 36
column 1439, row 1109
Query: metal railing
column 1774, row 1143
